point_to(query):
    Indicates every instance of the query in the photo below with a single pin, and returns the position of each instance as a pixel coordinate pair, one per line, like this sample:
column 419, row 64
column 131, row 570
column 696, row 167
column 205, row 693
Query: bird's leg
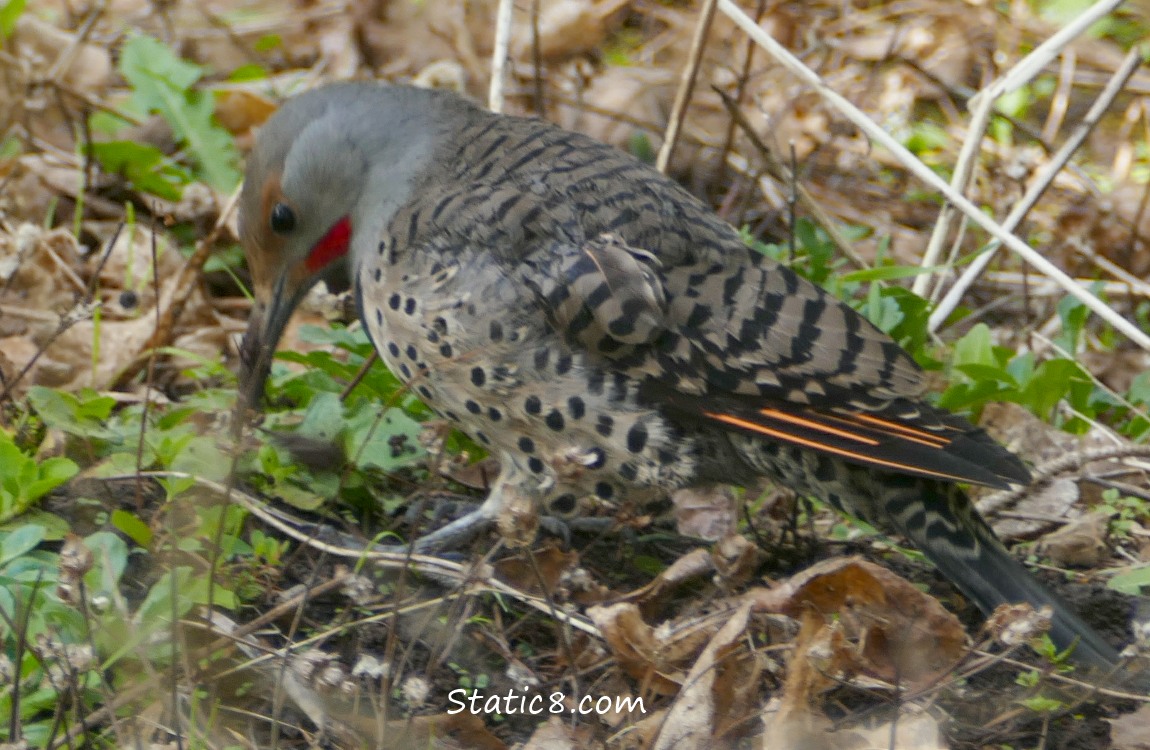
column 455, row 534
column 512, row 504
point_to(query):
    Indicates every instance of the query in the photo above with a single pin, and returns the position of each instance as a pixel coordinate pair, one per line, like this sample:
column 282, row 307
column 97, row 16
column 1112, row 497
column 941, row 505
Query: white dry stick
column 1037, row 186
column 963, row 168
column 924, row 173
column 500, row 55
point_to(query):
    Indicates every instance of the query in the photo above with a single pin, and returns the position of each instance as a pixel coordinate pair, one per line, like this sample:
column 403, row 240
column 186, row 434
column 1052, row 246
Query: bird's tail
column 942, row 522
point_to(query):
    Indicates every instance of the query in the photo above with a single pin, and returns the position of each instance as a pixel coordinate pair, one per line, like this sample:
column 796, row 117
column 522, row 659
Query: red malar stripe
column 333, row 246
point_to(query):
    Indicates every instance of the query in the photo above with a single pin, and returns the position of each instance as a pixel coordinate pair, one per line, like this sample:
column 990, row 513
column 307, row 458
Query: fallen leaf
column 693, row 719
column 1131, row 731
column 1080, row 543
column 709, row 513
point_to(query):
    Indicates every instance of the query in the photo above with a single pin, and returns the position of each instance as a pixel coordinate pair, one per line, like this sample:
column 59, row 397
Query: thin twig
column 1060, row 101
column 963, row 169
column 1015, row 280
column 537, row 62
column 686, row 85
column 1125, row 278
column 65, row 59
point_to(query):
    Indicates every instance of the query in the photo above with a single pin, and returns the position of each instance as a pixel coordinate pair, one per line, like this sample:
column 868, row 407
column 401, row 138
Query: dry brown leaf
column 694, row 564
column 1014, row 624
column 478, row 475
column 442, row 74
column 566, row 28
column 1131, row 731
column 36, row 275
column 52, row 52
column 914, row 729
column 1080, row 543
column 693, row 719
column 641, row 653
column 240, row 110
column 553, row 734
column 709, row 513
column 549, row 563
column 903, row 634
column 644, row 94
column 735, row 559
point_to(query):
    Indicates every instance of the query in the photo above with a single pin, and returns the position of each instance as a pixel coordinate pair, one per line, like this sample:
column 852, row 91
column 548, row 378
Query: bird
column 603, row 333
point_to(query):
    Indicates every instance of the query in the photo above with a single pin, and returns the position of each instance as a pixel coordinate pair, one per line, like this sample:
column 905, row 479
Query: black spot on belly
column 636, row 437
column 563, row 504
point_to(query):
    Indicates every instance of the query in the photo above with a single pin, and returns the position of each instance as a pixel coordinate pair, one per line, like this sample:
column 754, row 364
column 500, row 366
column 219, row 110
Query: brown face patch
column 264, row 248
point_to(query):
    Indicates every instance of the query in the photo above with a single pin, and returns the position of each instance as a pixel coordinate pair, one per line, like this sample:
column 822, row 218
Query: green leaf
column 981, row 372
column 55, row 527
column 10, row 13
column 149, row 65
column 19, row 542
column 250, row 72
column 324, row 418
column 132, row 526
column 201, row 456
column 268, row 42
column 1050, row 383
column 161, row 82
column 975, row 348
column 887, row 273
column 110, row 556
column 1140, row 388
column 157, row 607
column 386, row 444
column 190, row 115
column 53, row 473
column 144, row 166
column 1133, row 582
column 23, row 480
column 1073, row 313
column 82, row 415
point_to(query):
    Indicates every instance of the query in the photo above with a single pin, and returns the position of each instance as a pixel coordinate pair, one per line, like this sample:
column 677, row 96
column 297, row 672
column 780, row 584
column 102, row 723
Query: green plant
column 164, row 83
column 24, row 480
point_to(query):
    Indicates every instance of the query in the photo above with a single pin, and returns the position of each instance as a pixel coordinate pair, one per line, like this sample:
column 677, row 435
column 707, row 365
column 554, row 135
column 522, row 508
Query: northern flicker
column 602, row 332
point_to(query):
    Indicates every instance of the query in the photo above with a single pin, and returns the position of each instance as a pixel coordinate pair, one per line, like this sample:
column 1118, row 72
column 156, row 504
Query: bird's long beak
column 270, row 314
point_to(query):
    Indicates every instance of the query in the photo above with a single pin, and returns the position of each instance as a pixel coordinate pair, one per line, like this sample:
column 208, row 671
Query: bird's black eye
column 282, row 218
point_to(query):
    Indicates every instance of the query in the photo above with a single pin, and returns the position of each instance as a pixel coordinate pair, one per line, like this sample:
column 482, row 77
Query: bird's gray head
column 328, row 172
